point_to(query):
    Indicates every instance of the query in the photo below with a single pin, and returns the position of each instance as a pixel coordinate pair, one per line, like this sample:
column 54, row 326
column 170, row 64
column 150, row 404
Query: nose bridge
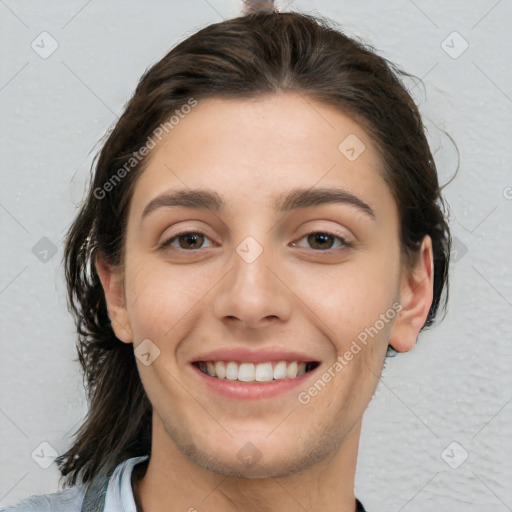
column 251, row 263
column 251, row 292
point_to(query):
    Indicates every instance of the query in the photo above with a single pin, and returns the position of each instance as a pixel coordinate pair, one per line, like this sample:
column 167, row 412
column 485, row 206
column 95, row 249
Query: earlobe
column 112, row 282
column 416, row 295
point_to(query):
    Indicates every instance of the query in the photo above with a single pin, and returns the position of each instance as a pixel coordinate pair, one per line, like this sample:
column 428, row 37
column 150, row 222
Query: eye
column 187, row 240
column 323, row 240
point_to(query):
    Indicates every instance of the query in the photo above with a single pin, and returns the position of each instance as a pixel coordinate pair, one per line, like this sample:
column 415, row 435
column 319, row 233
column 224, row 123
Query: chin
column 256, row 458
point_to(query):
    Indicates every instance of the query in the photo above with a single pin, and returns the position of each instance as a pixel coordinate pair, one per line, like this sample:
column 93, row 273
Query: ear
column 112, row 280
column 416, row 295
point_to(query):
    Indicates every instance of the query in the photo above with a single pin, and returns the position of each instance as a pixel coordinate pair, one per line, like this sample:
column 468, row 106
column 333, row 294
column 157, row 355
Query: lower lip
column 251, row 390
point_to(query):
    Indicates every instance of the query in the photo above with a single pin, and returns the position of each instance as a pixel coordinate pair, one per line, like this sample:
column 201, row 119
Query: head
column 254, row 124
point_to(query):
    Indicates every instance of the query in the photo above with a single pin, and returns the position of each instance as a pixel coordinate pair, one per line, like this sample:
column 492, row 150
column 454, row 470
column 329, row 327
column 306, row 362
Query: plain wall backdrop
column 437, row 435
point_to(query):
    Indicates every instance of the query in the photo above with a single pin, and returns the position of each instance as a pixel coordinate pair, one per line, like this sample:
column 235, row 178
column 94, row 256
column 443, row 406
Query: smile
column 261, row 372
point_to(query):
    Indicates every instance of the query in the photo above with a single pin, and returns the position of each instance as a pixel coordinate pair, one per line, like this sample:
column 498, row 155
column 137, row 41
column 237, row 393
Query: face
column 248, row 305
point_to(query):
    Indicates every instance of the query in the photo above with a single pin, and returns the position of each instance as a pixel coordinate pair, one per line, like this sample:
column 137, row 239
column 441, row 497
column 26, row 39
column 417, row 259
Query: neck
column 326, row 486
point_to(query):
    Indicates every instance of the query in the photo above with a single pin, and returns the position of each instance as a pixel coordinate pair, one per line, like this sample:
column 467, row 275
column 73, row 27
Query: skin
column 295, row 295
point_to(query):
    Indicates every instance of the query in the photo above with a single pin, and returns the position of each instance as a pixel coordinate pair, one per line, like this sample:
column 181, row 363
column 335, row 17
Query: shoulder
column 72, row 499
column 68, row 500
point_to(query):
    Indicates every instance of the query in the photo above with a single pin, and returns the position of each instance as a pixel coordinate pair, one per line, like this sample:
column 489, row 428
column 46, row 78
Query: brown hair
column 243, row 57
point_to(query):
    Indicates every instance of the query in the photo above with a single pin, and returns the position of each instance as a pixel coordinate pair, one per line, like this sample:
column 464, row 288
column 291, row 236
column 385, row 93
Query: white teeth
column 246, row 372
column 249, row 372
column 220, row 369
column 210, row 368
column 232, row 371
column 264, row 372
column 291, row 370
column 280, row 370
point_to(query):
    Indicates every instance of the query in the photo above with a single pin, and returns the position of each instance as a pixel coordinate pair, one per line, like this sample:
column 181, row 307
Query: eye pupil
column 192, row 238
column 320, row 238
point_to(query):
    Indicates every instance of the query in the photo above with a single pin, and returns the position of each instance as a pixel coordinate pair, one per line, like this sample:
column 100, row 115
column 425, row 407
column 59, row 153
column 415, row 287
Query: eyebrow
column 208, row 199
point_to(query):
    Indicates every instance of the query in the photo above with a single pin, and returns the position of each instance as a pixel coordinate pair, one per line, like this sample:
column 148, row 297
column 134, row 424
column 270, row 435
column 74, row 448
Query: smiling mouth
column 260, row 372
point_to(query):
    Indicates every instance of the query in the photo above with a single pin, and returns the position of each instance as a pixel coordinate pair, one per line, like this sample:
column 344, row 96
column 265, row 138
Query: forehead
column 253, row 149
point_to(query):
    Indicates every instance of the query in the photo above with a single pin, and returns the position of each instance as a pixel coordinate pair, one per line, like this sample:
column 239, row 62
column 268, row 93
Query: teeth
column 232, row 371
column 280, row 370
column 264, row 372
column 291, row 370
column 246, row 372
column 210, row 368
column 220, row 369
column 249, row 372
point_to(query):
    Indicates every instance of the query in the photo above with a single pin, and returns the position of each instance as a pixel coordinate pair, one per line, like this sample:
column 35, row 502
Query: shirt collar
column 114, row 494
column 118, row 494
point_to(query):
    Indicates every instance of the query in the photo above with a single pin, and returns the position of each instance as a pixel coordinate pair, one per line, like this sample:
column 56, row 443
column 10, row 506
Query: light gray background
column 455, row 386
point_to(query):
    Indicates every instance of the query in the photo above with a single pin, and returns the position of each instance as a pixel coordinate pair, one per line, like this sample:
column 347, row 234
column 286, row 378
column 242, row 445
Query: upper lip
column 252, row 356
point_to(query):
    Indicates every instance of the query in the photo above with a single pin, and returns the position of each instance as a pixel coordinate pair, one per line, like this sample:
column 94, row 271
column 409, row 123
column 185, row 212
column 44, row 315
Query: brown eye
column 189, row 240
column 321, row 240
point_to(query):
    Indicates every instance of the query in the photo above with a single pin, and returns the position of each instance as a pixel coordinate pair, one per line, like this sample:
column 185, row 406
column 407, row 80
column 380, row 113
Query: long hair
column 245, row 57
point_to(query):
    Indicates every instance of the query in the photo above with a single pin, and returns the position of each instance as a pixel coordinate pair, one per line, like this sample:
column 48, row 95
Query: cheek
column 351, row 296
column 159, row 296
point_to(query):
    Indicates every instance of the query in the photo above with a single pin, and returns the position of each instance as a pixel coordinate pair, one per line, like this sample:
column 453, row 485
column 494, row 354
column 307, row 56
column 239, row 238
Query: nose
column 253, row 294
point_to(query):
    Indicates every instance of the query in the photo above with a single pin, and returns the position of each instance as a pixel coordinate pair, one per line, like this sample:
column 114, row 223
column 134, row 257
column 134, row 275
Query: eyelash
column 344, row 243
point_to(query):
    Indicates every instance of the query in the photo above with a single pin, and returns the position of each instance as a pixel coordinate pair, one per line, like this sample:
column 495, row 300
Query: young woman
column 264, row 223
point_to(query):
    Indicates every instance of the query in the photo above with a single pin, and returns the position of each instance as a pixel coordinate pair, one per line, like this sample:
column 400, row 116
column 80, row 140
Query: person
column 264, row 224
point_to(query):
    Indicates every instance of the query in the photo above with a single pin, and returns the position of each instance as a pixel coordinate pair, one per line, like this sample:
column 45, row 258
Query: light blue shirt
column 118, row 498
